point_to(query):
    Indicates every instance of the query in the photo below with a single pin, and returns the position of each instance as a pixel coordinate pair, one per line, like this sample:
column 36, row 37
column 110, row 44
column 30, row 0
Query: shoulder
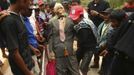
column 8, row 23
column 82, row 26
column 53, row 19
column 51, row 22
column 7, row 20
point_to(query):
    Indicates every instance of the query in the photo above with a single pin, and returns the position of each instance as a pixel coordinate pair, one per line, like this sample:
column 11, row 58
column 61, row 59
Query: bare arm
column 20, row 63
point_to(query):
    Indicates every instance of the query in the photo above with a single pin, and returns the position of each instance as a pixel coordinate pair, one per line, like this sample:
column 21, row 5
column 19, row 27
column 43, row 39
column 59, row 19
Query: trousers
column 67, row 65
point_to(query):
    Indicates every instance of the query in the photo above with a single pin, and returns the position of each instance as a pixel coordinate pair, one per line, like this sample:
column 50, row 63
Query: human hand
column 103, row 53
column 3, row 14
column 51, row 56
column 94, row 13
column 37, row 52
column 41, row 46
column 40, row 38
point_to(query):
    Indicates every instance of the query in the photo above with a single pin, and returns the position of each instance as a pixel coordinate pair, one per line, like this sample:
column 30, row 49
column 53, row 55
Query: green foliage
column 116, row 3
column 113, row 3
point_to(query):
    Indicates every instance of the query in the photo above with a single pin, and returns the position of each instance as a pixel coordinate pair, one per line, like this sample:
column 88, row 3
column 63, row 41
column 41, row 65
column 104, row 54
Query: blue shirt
column 31, row 38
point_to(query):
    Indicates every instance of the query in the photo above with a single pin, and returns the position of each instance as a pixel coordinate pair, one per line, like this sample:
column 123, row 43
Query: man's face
column 106, row 16
column 75, row 3
column 114, row 22
column 42, row 7
column 26, row 12
column 29, row 12
column 47, row 8
column 25, row 4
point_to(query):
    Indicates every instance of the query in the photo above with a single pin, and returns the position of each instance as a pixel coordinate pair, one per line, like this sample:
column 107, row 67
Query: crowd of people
column 33, row 33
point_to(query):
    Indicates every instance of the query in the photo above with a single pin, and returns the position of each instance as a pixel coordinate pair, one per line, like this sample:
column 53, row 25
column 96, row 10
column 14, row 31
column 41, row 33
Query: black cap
column 108, row 11
column 118, row 15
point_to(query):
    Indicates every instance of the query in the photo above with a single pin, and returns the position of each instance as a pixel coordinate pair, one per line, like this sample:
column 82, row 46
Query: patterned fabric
column 80, row 26
column 86, row 23
column 103, row 30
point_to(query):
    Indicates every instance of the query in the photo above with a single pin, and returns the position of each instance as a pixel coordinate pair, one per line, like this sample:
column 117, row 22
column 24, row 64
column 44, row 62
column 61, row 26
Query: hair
column 78, row 1
column 57, row 6
column 13, row 1
column 52, row 4
column 4, row 5
column 118, row 15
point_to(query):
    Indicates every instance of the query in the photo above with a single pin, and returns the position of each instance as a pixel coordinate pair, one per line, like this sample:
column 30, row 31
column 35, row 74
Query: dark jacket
column 100, row 6
column 126, row 43
column 85, row 35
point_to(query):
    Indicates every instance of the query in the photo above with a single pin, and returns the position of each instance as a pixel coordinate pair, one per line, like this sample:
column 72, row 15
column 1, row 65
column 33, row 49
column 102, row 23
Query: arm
column 95, row 13
column 20, row 62
column 51, row 54
column 50, row 36
column 35, row 50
